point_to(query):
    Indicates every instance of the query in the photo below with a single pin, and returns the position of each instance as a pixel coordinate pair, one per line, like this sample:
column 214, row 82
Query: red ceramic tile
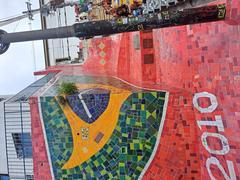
column 40, row 161
column 186, row 60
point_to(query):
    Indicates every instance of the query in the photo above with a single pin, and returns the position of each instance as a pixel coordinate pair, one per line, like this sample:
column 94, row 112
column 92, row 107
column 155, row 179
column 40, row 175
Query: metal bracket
column 3, row 46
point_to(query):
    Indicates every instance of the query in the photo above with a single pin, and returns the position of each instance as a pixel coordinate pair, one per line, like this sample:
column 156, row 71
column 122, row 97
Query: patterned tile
column 90, row 105
column 128, row 149
column 101, row 45
column 187, row 60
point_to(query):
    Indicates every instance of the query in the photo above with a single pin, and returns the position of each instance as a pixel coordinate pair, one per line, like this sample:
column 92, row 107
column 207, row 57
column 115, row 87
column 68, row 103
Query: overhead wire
column 11, row 20
column 65, row 15
column 33, row 50
column 33, row 47
column 18, row 22
column 10, row 17
column 59, row 25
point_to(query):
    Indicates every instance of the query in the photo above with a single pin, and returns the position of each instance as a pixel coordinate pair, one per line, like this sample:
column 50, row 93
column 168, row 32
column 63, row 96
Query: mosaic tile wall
column 125, row 154
column 97, row 99
column 58, row 132
column 41, row 165
column 189, row 59
column 88, row 79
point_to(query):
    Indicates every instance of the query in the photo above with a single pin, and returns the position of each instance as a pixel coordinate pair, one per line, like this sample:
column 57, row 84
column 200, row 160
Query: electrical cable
column 65, row 15
column 18, row 22
column 59, row 25
column 33, row 48
column 10, row 17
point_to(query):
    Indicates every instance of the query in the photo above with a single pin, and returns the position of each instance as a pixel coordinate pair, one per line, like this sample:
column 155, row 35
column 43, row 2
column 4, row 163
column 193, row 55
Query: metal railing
column 18, row 140
column 17, row 120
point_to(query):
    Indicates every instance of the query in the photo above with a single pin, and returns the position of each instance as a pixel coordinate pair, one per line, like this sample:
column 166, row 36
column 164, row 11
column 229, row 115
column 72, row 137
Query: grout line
column 45, row 138
column 158, row 137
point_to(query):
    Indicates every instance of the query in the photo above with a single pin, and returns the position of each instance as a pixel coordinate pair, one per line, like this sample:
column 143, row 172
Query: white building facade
column 60, row 51
column 16, row 137
column 3, row 155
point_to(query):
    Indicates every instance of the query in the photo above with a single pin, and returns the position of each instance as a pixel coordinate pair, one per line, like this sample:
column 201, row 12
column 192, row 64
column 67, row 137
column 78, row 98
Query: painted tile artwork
column 151, row 105
column 96, row 99
column 104, row 132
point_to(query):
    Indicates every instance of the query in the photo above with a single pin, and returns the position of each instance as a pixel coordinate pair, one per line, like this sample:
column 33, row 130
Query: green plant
column 67, row 88
column 62, row 100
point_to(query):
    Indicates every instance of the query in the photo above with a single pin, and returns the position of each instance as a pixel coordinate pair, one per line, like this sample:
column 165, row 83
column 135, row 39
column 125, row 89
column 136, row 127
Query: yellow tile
column 84, row 149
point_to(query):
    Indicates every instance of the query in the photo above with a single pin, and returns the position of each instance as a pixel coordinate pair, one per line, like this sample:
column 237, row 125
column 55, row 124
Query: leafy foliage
column 67, row 88
column 62, row 100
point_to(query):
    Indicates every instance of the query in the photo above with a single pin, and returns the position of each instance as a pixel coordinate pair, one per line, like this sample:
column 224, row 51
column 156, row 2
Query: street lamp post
column 120, row 25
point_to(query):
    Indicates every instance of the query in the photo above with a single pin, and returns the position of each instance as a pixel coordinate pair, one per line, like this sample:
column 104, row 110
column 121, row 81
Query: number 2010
column 219, row 125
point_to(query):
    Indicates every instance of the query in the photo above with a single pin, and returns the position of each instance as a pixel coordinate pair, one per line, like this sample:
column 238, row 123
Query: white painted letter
column 213, row 161
column 217, row 123
column 225, row 147
column 208, row 109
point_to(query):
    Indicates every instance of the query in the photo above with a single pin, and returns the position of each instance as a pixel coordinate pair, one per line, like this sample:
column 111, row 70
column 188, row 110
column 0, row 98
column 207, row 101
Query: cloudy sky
column 17, row 64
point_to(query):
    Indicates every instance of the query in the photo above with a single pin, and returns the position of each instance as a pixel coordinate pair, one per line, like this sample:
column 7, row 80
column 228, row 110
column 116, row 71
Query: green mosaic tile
column 126, row 152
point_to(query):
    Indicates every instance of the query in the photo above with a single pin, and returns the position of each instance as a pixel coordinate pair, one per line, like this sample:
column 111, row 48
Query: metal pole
column 22, row 139
column 190, row 4
column 151, row 21
column 5, row 125
column 95, row 28
column 61, row 32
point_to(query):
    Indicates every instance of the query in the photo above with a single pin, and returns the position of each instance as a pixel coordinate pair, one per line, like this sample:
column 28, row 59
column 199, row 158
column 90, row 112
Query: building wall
column 3, row 156
column 18, row 121
column 18, row 131
column 61, row 48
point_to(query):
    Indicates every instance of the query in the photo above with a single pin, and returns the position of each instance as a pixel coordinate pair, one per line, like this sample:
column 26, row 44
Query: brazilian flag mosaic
column 125, row 154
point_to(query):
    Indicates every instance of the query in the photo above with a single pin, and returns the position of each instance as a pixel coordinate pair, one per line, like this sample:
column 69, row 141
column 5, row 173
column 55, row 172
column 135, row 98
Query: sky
column 17, row 64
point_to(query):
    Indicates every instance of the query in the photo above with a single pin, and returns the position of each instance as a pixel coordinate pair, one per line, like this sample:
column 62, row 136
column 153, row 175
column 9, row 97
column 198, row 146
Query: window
column 4, row 177
column 29, row 177
column 1, row 99
column 23, row 144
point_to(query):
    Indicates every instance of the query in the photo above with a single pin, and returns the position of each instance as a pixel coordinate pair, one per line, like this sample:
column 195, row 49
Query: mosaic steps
column 126, row 152
column 196, row 58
